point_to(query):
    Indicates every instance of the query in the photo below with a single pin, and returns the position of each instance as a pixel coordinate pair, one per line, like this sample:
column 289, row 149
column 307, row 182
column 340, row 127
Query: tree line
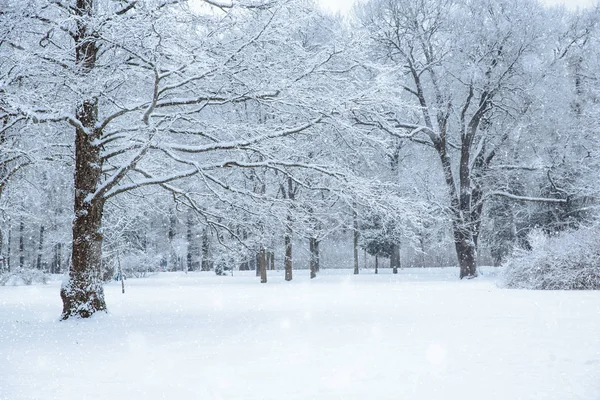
column 210, row 135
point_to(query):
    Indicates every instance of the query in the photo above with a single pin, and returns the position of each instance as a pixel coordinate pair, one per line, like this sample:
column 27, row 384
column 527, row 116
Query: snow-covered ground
column 421, row 334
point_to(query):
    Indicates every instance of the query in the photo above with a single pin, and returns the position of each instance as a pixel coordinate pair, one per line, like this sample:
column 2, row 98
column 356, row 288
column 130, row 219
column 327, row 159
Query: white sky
column 344, row 6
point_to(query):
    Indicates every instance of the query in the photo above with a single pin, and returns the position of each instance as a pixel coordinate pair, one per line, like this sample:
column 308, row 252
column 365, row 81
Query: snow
column 421, row 334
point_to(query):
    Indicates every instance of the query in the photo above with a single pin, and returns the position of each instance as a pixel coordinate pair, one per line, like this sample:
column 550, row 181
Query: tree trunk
column 314, row 257
column 317, row 255
column 8, row 248
column 288, row 253
column 82, row 294
column 477, row 197
column 460, row 208
column 40, row 248
column 422, row 248
column 395, row 258
column 290, row 194
column 245, row 265
column 467, row 254
column 259, row 255
column 476, row 213
column 263, row 264
column 190, row 244
column 205, row 251
column 268, row 259
column 355, row 241
column 56, row 267
column 272, row 260
column 22, row 245
column 251, row 263
column 2, row 260
column 376, row 264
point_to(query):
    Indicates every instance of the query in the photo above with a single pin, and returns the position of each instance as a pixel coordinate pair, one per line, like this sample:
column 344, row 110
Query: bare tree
column 460, row 79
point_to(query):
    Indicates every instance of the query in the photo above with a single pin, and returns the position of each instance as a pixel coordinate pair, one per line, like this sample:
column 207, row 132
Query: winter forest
column 232, row 170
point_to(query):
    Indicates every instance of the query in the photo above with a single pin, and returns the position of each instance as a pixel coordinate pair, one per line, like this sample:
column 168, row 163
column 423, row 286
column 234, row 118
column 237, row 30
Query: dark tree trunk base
column 468, row 272
column 467, row 259
column 82, row 299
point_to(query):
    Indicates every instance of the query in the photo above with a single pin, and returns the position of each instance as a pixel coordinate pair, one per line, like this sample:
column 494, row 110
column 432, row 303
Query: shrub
column 566, row 261
column 25, row 276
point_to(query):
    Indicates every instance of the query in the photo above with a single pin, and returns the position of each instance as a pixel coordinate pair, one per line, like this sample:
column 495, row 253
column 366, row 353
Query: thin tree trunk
column 395, row 258
column 57, row 259
column 314, row 257
column 263, row 265
column 268, row 259
column 2, row 259
column 121, row 274
column 205, row 251
column 422, row 245
column 288, row 252
column 481, row 164
column 272, row 260
column 189, row 239
column 288, row 261
column 259, row 255
column 355, row 241
column 476, row 213
column 252, row 264
column 22, row 245
column 172, row 232
column 245, row 265
column 376, row 264
column 40, row 248
column 8, row 248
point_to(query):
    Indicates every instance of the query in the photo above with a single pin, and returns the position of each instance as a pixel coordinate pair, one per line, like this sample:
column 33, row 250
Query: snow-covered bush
column 23, row 276
column 567, row 261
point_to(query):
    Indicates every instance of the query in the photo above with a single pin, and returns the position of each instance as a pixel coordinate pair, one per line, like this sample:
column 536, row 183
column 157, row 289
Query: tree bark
column 288, row 264
column 172, row 232
column 288, row 253
column 40, row 248
column 82, row 294
column 205, row 250
column 263, row 265
column 259, row 255
column 395, row 258
column 2, row 259
column 56, row 267
column 467, row 254
column 8, row 248
column 460, row 209
column 268, row 259
column 190, row 246
column 355, row 241
column 376, row 264
column 314, row 257
column 21, row 244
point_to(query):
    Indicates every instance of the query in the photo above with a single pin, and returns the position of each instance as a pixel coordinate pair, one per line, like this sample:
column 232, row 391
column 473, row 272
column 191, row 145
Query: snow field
column 421, row 334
